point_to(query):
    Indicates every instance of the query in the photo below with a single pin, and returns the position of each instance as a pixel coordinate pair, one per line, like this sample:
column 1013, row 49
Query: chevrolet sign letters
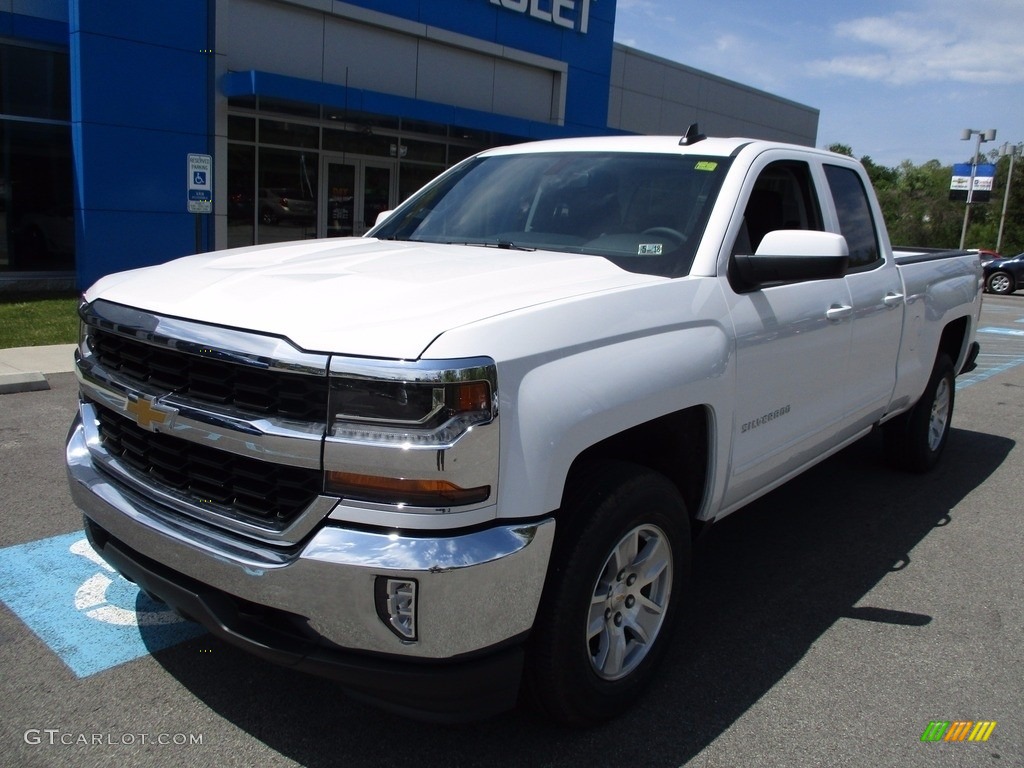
column 561, row 12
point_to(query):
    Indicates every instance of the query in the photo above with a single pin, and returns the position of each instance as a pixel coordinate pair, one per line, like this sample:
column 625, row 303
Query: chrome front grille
column 268, row 494
column 245, row 388
column 216, row 424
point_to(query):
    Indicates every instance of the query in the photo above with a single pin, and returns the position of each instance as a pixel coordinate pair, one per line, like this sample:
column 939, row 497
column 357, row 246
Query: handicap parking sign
column 199, row 194
column 88, row 615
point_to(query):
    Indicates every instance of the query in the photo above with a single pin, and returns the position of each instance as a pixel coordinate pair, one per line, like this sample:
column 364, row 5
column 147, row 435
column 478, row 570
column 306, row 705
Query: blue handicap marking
column 87, row 614
column 199, row 178
column 1002, row 331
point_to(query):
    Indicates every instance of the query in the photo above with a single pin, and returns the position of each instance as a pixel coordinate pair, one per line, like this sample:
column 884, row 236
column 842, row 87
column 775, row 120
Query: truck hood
column 359, row 296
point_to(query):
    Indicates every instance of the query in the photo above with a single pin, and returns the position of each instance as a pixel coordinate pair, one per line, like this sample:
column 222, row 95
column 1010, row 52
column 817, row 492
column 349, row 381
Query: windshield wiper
column 507, row 245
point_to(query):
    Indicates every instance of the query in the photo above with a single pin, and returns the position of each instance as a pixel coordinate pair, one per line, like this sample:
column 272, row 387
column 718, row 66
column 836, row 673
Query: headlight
column 396, row 432
column 408, row 405
column 419, row 405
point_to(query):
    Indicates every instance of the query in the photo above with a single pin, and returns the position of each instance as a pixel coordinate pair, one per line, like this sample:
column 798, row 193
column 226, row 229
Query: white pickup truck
column 461, row 460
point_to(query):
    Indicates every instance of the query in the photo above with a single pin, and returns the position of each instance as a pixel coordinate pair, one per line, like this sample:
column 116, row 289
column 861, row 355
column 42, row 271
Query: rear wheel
column 1001, row 282
column 613, row 594
column 916, row 439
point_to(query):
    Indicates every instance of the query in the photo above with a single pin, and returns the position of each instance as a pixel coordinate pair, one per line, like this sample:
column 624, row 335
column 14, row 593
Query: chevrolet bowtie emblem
column 147, row 413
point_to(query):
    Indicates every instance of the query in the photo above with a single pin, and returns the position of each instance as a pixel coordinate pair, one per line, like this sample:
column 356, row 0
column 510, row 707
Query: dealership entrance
column 298, row 171
column 353, row 191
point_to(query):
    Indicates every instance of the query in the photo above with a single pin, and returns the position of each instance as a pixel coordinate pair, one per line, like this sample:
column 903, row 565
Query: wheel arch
column 953, row 342
column 676, row 445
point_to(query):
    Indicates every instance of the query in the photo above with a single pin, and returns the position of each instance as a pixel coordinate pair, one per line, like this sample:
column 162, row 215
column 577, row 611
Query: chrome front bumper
column 474, row 591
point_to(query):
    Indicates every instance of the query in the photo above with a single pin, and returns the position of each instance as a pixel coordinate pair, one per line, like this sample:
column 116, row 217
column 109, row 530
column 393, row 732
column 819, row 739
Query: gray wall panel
column 641, row 113
column 522, row 90
column 274, row 38
column 345, row 45
column 450, row 75
column 618, row 73
column 647, row 94
column 682, row 85
column 375, row 59
column 615, row 106
column 676, row 117
column 650, row 95
column 644, row 75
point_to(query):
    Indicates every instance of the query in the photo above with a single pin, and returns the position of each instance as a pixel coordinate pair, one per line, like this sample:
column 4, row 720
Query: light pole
column 965, row 135
column 1012, row 150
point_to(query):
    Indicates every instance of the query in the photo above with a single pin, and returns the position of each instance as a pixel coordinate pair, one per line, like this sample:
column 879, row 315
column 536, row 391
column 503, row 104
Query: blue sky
column 896, row 80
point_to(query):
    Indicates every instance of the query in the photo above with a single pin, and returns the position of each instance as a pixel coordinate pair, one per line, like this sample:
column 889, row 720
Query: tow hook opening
column 396, row 601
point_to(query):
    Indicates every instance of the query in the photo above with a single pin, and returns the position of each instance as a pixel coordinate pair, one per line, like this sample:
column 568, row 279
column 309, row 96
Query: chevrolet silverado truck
column 460, row 462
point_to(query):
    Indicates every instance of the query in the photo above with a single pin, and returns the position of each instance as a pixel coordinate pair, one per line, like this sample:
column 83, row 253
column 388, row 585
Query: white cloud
column 981, row 43
column 728, row 43
column 651, row 10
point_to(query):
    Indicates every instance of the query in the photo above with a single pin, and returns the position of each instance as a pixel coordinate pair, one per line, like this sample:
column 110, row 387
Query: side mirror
column 790, row 256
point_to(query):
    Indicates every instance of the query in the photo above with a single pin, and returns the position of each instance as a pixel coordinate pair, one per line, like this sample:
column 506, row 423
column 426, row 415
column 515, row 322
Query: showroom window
column 296, row 171
column 37, row 229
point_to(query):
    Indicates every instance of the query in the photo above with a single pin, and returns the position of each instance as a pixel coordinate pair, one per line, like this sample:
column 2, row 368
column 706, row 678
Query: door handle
column 893, row 300
column 838, row 312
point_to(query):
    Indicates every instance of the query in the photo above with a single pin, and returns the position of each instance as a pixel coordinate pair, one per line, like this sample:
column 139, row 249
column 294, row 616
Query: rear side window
column 856, row 223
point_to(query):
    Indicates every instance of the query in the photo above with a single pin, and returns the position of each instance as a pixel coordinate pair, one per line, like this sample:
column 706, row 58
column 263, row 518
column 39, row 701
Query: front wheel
column 915, row 440
column 1001, row 283
column 612, row 596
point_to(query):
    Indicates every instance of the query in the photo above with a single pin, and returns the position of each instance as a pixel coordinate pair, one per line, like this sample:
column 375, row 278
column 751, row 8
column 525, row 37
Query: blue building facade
column 314, row 114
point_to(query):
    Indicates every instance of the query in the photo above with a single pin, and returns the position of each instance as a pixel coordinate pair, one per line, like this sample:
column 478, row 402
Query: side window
column 855, row 220
column 783, row 198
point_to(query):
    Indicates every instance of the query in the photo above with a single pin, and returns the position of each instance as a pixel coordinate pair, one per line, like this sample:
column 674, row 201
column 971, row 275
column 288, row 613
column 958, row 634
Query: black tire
column 618, row 576
column 1001, row 283
column 915, row 440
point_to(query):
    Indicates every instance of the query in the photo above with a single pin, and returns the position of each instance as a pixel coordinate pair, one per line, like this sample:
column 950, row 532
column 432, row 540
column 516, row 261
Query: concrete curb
column 11, row 383
column 24, row 369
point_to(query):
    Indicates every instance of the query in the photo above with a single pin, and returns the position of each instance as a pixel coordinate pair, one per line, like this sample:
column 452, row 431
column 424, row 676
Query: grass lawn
column 31, row 321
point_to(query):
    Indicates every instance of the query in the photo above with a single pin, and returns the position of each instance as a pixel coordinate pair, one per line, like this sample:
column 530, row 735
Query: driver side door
column 792, row 342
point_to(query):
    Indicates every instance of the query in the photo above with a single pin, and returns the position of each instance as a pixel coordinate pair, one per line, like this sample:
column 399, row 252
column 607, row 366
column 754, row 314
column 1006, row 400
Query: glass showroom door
column 355, row 192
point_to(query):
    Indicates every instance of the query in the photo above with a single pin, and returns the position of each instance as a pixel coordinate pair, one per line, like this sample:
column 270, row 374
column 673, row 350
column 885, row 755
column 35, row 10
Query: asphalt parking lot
column 830, row 624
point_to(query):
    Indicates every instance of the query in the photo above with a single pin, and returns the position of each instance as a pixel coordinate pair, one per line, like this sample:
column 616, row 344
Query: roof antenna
column 693, row 135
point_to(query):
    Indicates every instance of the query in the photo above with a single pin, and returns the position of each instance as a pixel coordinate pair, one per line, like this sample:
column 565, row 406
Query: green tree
column 841, row 149
column 1013, row 222
column 918, row 212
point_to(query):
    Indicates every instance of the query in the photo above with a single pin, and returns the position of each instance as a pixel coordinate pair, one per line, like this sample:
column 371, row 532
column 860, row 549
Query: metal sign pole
column 970, row 192
column 199, row 198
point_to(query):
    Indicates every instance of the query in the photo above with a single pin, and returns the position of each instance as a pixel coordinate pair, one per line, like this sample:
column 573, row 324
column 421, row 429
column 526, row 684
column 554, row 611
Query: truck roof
column 716, row 147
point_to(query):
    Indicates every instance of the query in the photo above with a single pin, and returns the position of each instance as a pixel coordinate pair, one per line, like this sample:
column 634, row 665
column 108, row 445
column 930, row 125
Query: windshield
column 644, row 212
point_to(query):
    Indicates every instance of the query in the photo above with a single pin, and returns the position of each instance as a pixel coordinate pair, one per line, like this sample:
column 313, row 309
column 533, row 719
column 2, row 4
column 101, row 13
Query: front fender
column 575, row 402
column 574, row 373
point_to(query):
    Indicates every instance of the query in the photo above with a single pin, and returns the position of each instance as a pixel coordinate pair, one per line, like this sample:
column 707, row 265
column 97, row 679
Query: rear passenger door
column 876, row 291
column 792, row 340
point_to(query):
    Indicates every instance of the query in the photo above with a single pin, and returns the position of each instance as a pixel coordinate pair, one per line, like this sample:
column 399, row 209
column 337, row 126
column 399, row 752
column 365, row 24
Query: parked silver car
column 280, row 205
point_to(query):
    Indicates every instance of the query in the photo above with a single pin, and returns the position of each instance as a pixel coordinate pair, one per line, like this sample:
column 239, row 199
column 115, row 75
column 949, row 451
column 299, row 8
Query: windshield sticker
column 649, row 249
column 705, row 165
